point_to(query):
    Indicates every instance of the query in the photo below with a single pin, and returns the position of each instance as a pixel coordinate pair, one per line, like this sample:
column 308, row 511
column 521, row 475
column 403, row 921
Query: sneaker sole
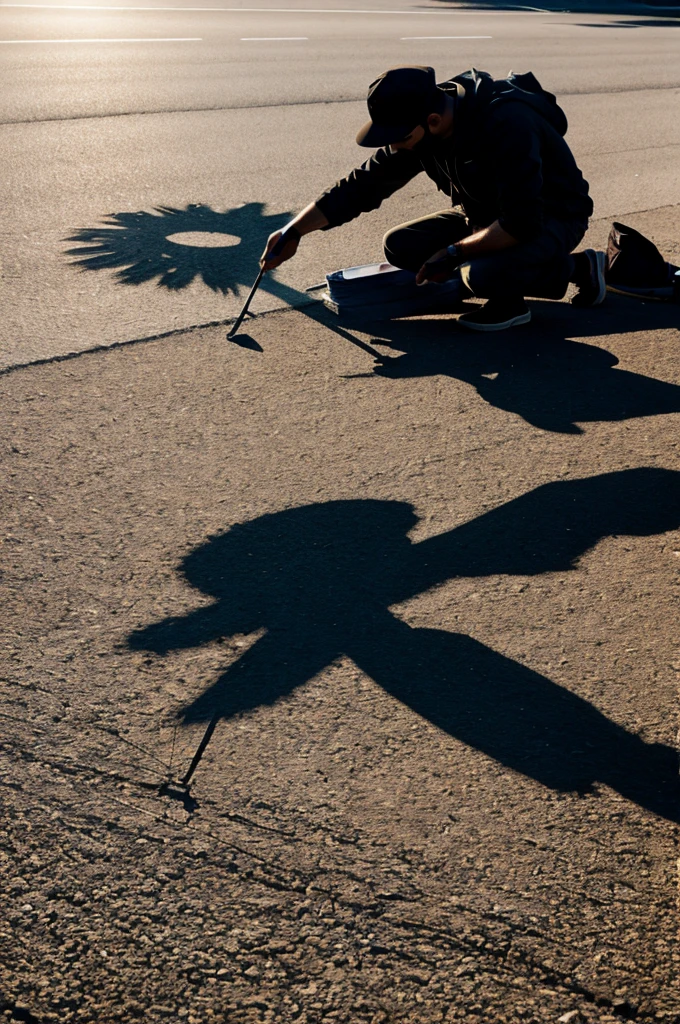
column 515, row 321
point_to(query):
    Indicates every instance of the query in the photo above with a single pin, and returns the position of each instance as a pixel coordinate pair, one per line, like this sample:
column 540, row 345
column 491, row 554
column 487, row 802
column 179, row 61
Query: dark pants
column 541, row 268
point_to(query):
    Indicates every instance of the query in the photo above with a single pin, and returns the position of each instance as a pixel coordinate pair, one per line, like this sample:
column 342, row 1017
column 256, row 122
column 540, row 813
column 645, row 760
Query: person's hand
column 281, row 246
column 439, row 267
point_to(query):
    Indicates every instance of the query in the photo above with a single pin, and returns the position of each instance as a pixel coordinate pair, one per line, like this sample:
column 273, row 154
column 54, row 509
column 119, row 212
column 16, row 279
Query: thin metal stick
column 239, row 318
column 201, row 748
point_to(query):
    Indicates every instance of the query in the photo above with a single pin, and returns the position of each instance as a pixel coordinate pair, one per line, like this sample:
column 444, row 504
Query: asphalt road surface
column 133, row 134
column 432, row 595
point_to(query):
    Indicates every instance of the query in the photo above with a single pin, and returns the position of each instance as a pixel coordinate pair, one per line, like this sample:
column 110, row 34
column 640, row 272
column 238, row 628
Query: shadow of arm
column 548, row 529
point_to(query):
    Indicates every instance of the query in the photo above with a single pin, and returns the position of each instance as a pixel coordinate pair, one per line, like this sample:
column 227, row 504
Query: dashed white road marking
column 274, row 39
column 446, row 37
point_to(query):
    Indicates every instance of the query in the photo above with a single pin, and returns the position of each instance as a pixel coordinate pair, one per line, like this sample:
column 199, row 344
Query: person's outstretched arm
column 362, row 190
column 308, row 220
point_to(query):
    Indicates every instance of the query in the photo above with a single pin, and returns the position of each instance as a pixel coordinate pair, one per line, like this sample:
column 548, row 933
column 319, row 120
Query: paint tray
column 379, row 291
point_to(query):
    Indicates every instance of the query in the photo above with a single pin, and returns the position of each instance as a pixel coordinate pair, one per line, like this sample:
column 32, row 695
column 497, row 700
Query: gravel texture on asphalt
column 443, row 785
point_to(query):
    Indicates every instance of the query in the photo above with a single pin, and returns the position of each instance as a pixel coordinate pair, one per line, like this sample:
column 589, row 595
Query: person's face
column 438, row 126
column 411, row 140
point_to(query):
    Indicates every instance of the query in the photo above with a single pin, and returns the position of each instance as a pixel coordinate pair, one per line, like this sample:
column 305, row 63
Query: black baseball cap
column 398, row 102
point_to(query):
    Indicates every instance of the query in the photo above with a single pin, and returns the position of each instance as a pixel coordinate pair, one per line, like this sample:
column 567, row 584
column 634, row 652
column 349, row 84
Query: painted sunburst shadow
column 219, row 248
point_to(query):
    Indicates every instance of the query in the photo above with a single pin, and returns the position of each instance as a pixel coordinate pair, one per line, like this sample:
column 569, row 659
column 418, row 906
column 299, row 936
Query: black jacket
column 506, row 160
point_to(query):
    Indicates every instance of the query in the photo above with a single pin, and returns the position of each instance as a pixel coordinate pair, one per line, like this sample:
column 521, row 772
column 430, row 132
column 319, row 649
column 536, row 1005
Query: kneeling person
column 497, row 149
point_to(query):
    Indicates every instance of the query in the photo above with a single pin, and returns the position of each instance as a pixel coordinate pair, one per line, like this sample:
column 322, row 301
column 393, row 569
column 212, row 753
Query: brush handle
column 201, row 749
column 275, row 250
column 239, row 318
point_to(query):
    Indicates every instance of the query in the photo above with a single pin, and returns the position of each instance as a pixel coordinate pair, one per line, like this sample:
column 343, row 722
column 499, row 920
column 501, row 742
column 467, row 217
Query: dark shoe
column 496, row 315
column 589, row 278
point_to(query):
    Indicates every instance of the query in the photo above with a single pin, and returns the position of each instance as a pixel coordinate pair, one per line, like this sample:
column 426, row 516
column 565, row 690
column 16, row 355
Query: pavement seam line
column 293, row 103
column 64, row 357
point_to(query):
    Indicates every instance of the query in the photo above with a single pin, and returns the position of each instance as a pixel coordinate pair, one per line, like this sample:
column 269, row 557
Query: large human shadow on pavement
column 320, row 580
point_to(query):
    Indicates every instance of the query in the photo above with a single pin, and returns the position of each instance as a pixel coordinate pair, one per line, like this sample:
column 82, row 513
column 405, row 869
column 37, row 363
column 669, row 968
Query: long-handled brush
column 287, row 236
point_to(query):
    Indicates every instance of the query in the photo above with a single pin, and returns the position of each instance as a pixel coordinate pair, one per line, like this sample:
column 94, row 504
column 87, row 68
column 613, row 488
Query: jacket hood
column 482, row 93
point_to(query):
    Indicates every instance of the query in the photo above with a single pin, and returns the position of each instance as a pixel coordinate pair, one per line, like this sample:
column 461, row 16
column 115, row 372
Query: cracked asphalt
column 433, row 600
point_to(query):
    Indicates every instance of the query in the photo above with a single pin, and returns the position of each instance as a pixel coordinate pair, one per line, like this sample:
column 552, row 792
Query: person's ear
column 434, row 122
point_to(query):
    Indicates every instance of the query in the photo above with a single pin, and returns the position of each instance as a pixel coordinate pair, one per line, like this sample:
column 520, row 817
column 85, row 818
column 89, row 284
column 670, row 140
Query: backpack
column 634, row 266
column 525, row 88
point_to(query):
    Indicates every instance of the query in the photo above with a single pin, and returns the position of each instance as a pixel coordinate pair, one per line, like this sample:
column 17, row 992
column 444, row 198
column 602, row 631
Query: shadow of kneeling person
column 551, row 381
column 320, row 580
